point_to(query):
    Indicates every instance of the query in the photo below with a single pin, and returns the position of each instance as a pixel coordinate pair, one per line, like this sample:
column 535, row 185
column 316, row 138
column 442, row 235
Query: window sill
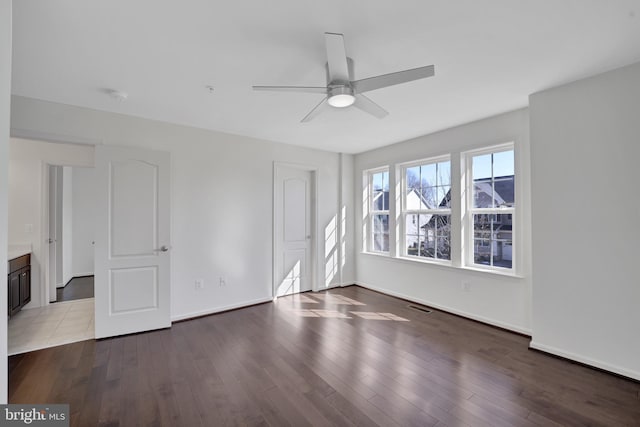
column 446, row 265
column 429, row 261
column 380, row 254
column 501, row 272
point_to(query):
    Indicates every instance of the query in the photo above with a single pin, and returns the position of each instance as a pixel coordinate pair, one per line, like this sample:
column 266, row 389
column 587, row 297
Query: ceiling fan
column 342, row 90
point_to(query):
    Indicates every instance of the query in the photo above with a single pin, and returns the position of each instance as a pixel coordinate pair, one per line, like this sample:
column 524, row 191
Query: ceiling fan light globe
column 341, row 100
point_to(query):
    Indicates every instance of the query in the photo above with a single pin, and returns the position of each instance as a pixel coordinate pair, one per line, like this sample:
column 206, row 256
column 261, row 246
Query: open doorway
column 41, row 220
column 71, row 233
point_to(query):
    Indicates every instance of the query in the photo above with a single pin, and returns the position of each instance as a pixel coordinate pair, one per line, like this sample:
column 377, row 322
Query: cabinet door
column 14, row 292
column 25, row 286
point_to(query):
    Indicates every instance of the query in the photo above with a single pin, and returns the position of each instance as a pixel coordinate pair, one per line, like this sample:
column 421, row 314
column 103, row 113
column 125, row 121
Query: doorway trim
column 45, row 285
column 313, row 171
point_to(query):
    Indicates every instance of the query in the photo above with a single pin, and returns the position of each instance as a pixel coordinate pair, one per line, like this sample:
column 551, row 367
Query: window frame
column 470, row 211
column 369, row 246
column 405, row 212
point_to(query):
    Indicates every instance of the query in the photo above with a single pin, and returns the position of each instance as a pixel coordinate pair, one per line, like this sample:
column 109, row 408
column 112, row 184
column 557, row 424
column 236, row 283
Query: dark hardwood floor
column 344, row 357
column 77, row 288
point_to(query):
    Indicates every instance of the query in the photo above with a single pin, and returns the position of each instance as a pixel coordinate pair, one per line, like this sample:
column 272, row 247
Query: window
column 492, row 207
column 379, row 210
column 426, row 204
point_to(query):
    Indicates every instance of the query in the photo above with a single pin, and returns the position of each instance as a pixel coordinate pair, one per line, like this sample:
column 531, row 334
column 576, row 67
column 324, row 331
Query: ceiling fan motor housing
column 341, row 96
column 340, row 93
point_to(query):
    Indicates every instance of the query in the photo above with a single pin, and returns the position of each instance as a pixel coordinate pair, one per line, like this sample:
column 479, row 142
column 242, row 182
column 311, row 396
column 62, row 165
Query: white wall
column 67, row 224
column 585, row 147
column 5, row 96
column 348, row 221
column 500, row 300
column 27, row 165
column 221, row 198
column 84, row 202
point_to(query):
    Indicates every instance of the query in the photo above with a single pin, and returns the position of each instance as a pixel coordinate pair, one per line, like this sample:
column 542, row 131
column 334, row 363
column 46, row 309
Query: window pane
column 437, row 236
column 504, row 191
column 429, row 198
column 412, row 225
column 412, row 245
column 379, row 201
column 377, row 181
column 413, row 178
column 482, row 167
column 443, row 248
column 414, row 200
column 482, row 252
column 482, row 226
column 423, row 220
column 444, row 197
column 381, row 233
column 493, row 180
column 380, row 191
column 381, row 224
column 444, row 173
column 492, row 243
column 428, row 175
column 503, row 164
column 482, row 194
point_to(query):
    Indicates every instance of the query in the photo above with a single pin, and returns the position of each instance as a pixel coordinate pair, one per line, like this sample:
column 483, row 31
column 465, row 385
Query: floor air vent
column 419, row 308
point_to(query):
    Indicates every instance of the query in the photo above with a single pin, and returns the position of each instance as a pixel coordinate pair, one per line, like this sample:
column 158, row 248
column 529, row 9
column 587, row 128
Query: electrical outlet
column 222, row 281
column 199, row 283
column 466, row 286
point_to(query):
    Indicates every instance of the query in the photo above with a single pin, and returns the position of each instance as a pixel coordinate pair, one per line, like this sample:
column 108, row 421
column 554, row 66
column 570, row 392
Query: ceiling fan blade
column 316, row 110
column 368, row 106
column 305, row 89
column 372, row 83
column 336, row 58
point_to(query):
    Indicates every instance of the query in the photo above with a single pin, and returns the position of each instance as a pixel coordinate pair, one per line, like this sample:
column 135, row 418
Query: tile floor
column 55, row 324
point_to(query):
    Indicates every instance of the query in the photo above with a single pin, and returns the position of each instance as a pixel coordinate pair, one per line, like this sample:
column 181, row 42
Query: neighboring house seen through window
column 426, row 207
column 492, row 208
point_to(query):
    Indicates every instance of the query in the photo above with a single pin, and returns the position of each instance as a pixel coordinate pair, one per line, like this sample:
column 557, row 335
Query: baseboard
column 585, row 360
column 481, row 319
column 75, row 276
column 219, row 309
column 87, row 274
column 334, row 286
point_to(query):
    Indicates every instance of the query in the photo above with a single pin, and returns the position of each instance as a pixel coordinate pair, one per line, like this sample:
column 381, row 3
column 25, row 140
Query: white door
column 293, row 230
column 132, row 241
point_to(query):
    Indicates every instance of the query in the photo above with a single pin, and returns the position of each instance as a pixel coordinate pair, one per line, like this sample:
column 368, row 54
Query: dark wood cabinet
column 19, row 283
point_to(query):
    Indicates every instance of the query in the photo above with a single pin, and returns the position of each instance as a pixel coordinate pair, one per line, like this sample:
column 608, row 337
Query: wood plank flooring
column 77, row 288
column 345, row 357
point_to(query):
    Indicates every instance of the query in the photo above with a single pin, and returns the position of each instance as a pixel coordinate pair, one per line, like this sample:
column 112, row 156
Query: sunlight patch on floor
column 370, row 315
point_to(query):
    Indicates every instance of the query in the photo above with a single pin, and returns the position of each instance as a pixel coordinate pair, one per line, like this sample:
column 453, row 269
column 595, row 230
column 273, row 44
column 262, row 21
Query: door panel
column 133, row 290
column 295, row 209
column 132, row 241
column 293, row 230
column 133, row 219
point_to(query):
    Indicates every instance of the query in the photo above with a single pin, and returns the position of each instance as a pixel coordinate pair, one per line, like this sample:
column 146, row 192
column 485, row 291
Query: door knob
column 163, row 248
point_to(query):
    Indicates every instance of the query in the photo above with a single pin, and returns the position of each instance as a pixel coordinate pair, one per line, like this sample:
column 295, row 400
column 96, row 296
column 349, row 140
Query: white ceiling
column 489, row 56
